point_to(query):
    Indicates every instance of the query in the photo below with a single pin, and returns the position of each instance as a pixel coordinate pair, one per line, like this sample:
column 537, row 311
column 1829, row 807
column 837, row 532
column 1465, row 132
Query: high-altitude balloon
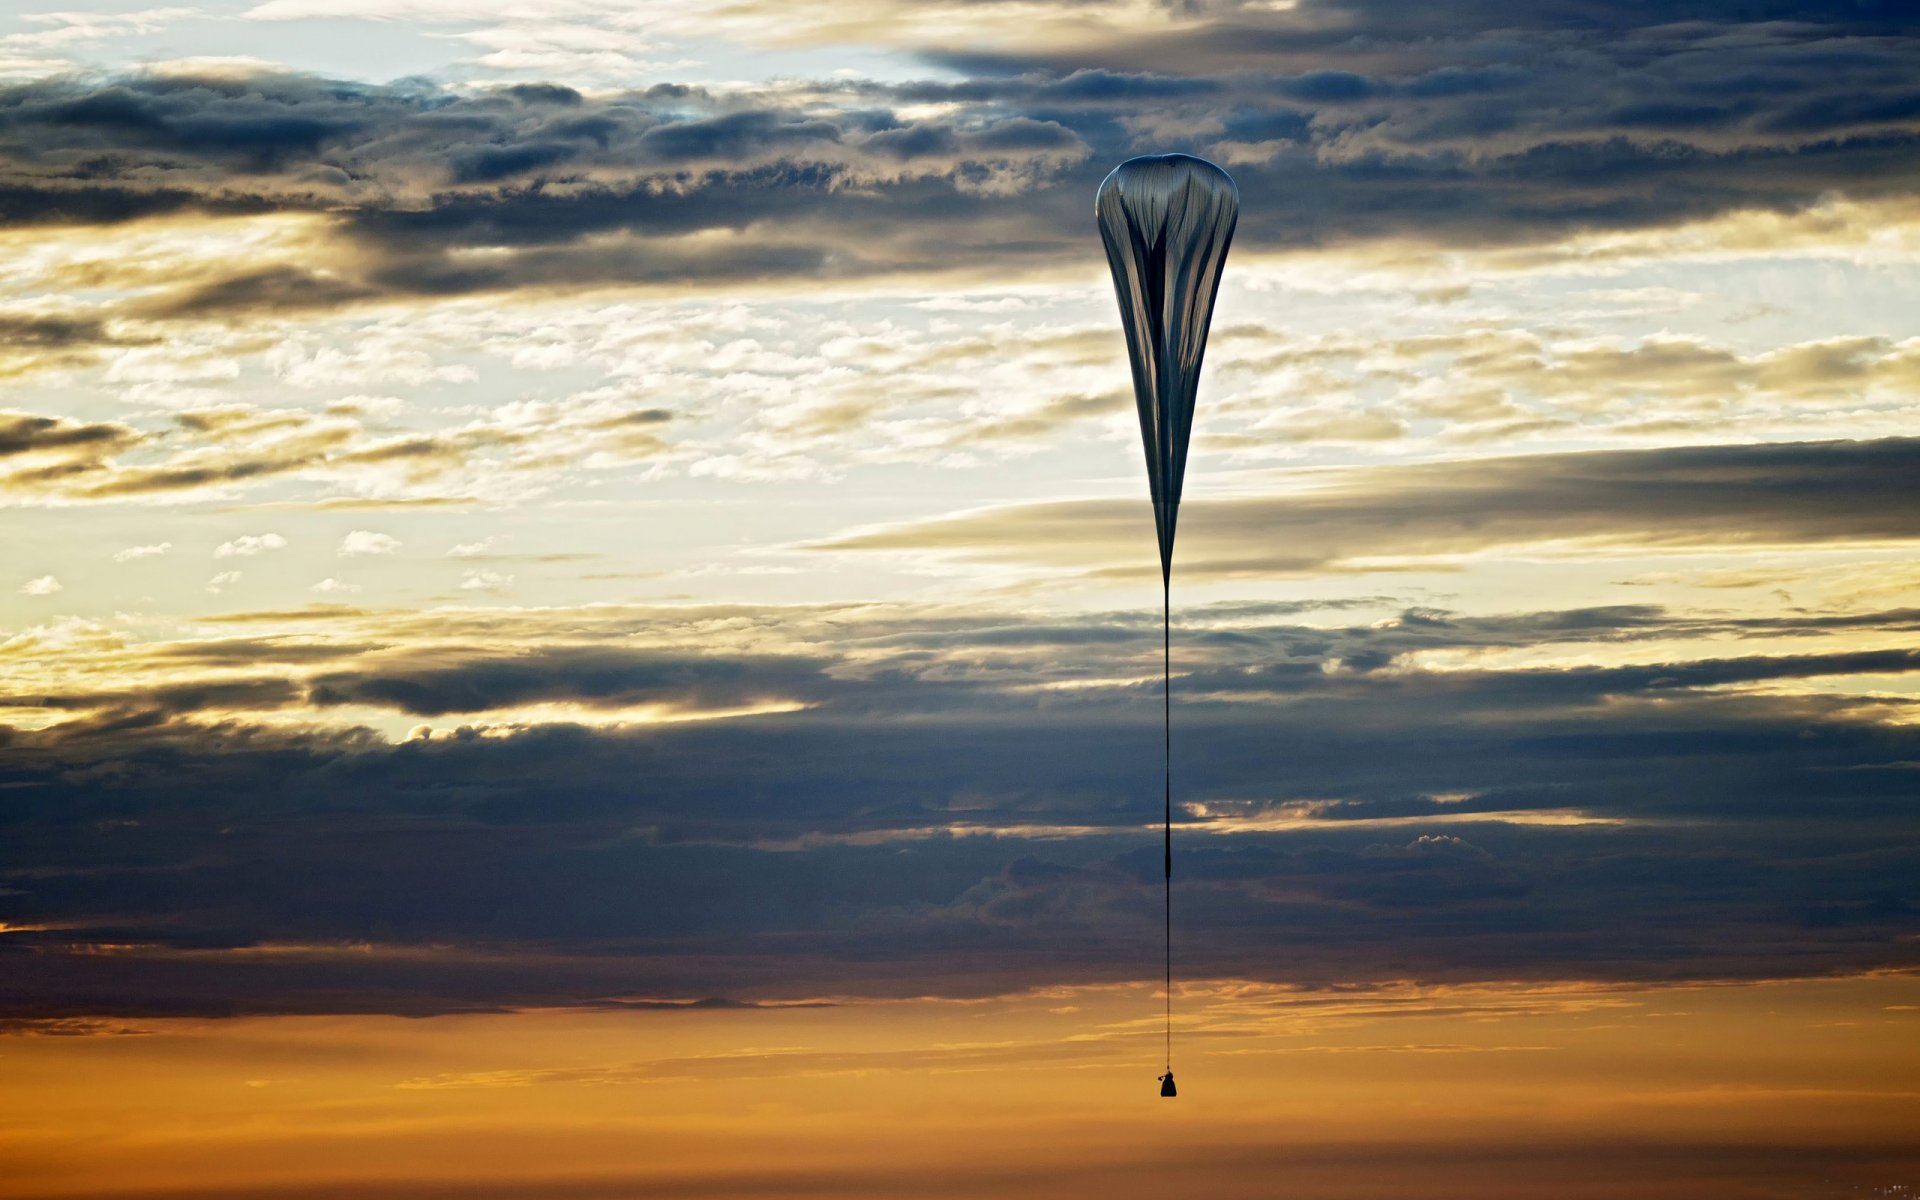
column 1166, row 220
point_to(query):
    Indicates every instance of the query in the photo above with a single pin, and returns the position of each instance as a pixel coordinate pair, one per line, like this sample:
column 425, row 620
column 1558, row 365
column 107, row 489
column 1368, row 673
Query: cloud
column 658, row 166
column 39, row 342
column 1493, row 134
column 613, row 802
column 951, row 802
column 45, row 585
column 1421, row 515
column 216, row 450
column 593, row 678
column 136, row 553
column 24, row 434
column 250, row 545
column 776, row 394
column 366, row 541
column 485, row 581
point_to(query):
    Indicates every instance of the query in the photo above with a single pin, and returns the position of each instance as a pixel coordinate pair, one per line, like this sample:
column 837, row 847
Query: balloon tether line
column 1166, row 705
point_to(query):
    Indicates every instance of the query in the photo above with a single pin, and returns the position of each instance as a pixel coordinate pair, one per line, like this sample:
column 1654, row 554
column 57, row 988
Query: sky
column 578, row 611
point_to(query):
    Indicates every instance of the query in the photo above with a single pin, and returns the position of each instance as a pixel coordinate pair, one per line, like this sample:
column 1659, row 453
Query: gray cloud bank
column 960, row 805
column 1343, row 121
column 939, row 821
column 1804, row 493
column 959, row 802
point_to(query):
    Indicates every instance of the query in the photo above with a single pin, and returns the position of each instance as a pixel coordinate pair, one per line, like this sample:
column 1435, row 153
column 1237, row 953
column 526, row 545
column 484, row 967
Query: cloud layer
column 957, row 803
column 1345, row 122
column 1709, row 496
column 767, row 341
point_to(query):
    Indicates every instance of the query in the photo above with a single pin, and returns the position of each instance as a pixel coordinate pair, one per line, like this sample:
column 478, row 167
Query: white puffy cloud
column 135, row 553
column 332, row 586
column 46, row 585
column 219, row 583
column 250, row 545
column 366, row 541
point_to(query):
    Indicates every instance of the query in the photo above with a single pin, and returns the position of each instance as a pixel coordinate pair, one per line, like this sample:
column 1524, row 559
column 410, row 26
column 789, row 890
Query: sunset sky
column 578, row 610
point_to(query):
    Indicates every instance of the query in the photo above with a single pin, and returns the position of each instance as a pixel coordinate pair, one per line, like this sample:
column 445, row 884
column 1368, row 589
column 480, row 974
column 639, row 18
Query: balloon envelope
column 1166, row 220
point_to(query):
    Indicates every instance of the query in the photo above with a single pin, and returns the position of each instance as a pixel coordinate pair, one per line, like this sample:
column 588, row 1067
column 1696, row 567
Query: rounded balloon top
column 1152, row 180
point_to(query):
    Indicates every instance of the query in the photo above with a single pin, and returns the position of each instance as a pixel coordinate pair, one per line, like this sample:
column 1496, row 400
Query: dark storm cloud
column 591, row 675
column 243, row 651
column 239, row 868
column 43, row 341
column 50, row 333
column 24, row 433
column 1342, row 121
column 900, row 666
column 1306, row 36
column 279, row 288
column 1809, row 492
column 251, row 694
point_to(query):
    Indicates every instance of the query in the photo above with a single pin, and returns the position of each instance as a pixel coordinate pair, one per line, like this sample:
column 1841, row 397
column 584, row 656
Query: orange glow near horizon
column 1785, row 1089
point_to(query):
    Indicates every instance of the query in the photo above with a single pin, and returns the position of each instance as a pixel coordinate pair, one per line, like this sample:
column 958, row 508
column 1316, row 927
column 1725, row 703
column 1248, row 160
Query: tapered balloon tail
column 1166, row 1085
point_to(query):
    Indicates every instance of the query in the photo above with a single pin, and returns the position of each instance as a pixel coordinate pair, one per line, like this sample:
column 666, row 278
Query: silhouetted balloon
column 1166, row 220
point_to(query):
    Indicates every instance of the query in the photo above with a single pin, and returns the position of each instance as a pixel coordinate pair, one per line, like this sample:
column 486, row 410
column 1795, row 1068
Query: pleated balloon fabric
column 1167, row 220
